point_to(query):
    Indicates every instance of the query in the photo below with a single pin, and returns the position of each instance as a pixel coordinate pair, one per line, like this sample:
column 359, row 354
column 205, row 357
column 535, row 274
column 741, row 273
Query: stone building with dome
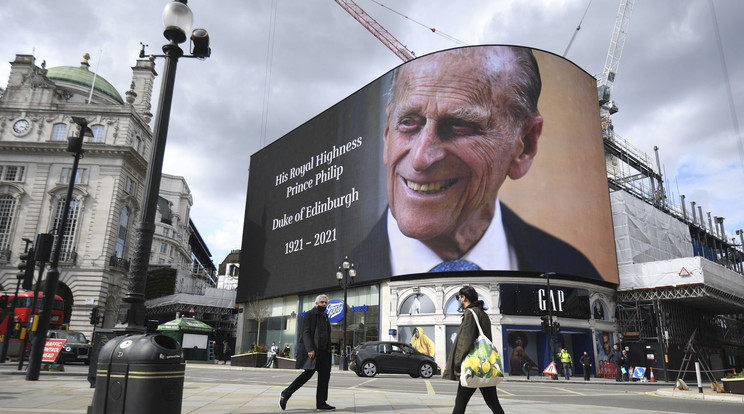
column 35, row 122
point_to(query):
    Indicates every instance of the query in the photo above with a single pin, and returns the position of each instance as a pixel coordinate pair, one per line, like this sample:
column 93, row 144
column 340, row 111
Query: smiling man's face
column 449, row 147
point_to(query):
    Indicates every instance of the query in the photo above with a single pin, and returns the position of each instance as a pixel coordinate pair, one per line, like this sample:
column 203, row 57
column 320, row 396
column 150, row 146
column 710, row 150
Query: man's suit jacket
column 536, row 250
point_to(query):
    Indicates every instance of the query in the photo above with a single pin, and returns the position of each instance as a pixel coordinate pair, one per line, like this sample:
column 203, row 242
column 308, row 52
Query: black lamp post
column 75, row 146
column 551, row 324
column 345, row 275
column 177, row 19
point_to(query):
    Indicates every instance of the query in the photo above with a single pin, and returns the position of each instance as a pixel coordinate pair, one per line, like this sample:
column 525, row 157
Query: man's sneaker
column 326, row 407
column 283, row 402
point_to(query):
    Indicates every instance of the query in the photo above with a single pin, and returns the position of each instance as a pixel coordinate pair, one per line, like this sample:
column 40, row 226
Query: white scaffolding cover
column 679, row 272
column 645, row 234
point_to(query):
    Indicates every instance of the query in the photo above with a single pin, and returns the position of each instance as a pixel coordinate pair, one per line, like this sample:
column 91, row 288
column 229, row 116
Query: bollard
column 699, row 378
column 139, row 374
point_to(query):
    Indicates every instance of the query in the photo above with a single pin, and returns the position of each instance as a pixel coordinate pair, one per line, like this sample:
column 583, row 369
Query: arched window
column 7, row 211
column 121, row 239
column 68, row 235
column 453, row 304
column 59, row 132
column 97, row 133
column 416, row 304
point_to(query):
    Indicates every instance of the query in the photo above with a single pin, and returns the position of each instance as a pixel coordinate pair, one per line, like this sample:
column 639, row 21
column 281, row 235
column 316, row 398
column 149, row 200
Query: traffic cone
column 652, row 379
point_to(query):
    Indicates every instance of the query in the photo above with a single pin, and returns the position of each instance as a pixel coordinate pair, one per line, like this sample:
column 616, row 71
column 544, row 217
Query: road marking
column 363, row 383
column 429, row 388
column 565, row 390
column 502, row 392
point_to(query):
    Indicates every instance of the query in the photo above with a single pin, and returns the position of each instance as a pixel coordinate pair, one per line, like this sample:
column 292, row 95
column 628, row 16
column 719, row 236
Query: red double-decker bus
column 20, row 319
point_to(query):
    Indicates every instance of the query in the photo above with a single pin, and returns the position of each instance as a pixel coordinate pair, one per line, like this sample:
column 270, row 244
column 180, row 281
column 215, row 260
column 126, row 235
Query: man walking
column 615, row 358
column 586, row 363
column 313, row 355
column 567, row 363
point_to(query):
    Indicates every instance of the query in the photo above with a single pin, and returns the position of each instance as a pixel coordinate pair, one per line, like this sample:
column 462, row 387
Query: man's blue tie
column 454, row 266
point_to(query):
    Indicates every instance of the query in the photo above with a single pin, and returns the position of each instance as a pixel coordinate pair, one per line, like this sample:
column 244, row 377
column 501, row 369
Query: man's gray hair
column 524, row 78
column 317, row 298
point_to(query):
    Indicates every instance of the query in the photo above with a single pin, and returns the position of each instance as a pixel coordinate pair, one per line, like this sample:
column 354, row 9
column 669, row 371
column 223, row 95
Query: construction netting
column 644, row 233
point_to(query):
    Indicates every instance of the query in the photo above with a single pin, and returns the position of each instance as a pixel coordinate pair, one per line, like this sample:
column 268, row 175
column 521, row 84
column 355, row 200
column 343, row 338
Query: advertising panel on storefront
column 488, row 154
column 533, row 300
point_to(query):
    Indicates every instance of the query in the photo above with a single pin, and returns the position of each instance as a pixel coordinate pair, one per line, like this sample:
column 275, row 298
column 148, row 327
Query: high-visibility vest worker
column 565, row 357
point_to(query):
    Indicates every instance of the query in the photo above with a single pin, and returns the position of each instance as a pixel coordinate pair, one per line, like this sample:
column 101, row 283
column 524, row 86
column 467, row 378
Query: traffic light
column 556, row 328
column 95, row 317
column 545, row 323
column 26, row 268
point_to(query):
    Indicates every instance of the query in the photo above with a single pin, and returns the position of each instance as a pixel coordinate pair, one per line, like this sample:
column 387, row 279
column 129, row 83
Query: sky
column 275, row 64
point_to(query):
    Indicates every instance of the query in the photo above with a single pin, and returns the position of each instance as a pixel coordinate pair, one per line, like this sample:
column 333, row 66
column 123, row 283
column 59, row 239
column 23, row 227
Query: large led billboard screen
column 486, row 158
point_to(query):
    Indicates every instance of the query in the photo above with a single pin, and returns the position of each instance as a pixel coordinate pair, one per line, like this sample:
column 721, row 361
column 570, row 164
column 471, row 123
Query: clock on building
column 21, row 127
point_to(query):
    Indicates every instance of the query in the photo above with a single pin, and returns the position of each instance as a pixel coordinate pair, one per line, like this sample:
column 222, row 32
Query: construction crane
column 617, row 42
column 377, row 30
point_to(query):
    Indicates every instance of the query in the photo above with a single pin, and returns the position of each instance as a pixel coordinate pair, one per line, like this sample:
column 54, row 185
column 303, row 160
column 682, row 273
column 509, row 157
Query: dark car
column 76, row 348
column 371, row 358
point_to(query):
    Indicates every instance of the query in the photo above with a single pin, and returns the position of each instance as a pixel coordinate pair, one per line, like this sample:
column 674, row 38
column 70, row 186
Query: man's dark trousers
column 323, row 368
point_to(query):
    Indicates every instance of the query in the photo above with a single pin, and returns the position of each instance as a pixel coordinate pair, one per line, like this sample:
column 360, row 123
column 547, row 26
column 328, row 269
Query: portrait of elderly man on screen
column 459, row 124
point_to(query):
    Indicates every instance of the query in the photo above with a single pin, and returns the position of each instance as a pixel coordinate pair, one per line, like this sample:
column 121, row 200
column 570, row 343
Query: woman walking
column 466, row 336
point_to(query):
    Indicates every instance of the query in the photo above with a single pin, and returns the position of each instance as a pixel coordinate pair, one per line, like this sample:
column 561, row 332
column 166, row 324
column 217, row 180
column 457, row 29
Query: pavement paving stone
column 68, row 392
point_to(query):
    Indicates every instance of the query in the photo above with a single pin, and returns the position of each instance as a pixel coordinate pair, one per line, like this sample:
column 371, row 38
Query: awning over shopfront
column 185, row 325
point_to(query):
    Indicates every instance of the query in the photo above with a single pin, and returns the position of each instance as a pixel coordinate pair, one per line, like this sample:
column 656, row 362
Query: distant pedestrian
column 586, row 363
column 286, row 352
column 615, row 358
column 625, row 362
column 271, row 355
column 313, row 355
column 468, row 299
column 226, row 351
column 567, row 363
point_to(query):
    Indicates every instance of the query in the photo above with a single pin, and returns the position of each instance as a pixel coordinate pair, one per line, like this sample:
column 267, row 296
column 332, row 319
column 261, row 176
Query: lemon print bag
column 481, row 367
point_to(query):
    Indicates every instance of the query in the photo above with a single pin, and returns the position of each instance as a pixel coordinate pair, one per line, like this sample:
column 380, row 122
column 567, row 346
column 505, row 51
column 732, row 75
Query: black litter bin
column 139, row 374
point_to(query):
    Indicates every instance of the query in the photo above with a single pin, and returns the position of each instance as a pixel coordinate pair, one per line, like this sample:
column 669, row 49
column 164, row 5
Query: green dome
column 83, row 77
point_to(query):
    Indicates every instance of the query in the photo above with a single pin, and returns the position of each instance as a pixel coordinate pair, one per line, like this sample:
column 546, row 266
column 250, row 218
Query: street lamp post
column 551, row 324
column 177, row 19
column 345, row 275
column 75, row 146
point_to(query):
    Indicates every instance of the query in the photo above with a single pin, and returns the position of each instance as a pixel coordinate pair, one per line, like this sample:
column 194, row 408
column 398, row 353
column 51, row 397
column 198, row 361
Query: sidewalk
column 69, row 392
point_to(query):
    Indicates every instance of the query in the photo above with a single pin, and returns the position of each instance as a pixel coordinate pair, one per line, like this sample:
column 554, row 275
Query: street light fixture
column 75, row 146
column 551, row 325
column 177, row 20
column 345, row 275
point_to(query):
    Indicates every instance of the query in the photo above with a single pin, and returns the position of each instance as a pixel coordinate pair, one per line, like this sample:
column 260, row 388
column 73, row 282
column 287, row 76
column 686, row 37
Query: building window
column 129, row 186
column 138, row 144
column 163, row 248
column 161, row 261
column 11, row 173
column 97, row 133
column 166, row 231
column 7, row 210
column 81, row 177
column 59, row 132
column 122, row 237
column 68, row 235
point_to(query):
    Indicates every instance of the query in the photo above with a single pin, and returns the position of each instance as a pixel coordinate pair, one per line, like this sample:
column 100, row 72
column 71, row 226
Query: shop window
column 416, row 304
column 453, row 305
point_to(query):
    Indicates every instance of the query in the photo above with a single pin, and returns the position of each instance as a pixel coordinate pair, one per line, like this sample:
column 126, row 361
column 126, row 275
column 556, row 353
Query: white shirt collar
column 409, row 255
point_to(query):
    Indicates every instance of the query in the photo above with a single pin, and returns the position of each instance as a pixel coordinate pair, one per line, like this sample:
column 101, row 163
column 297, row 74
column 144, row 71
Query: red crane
column 377, row 30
